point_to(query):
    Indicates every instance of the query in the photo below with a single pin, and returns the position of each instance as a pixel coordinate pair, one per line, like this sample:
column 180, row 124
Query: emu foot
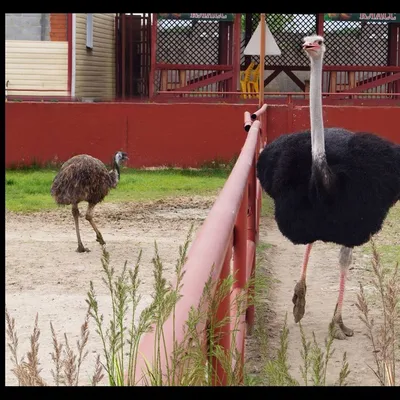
column 339, row 330
column 100, row 239
column 299, row 300
column 82, row 249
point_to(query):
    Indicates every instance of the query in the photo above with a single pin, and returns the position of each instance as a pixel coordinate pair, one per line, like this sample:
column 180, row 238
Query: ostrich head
column 120, row 156
column 314, row 46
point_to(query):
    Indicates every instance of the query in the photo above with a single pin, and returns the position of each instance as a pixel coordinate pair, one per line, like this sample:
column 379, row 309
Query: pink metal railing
column 227, row 238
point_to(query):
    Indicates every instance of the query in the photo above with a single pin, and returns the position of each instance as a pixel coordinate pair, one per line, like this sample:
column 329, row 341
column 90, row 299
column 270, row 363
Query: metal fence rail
column 225, row 243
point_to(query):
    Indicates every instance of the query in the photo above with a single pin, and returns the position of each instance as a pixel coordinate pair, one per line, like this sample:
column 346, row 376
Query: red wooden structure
column 362, row 59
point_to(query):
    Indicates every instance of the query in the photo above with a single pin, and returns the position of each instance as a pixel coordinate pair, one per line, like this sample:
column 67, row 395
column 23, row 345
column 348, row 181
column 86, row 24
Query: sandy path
column 283, row 261
column 45, row 275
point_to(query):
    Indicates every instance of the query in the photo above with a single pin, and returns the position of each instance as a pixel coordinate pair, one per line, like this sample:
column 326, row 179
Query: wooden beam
column 117, row 56
column 272, row 76
column 295, row 79
column 392, row 43
column 123, row 45
column 369, row 68
column 194, row 67
column 262, row 59
column 153, row 49
column 370, row 85
column 70, row 49
column 248, row 29
column 372, row 78
column 320, row 24
column 199, row 78
column 345, row 68
column 237, row 27
column 205, row 82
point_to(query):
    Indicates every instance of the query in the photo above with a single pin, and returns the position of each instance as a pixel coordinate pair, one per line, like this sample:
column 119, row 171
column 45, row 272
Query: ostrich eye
column 319, row 42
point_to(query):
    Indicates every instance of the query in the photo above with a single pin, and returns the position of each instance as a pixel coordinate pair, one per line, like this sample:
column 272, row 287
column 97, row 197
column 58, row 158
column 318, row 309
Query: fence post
column 240, row 243
column 237, row 29
column 240, row 271
column 251, row 240
column 153, row 55
column 223, row 333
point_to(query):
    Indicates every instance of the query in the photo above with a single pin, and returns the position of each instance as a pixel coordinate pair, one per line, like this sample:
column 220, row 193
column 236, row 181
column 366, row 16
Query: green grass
column 386, row 241
column 28, row 190
column 267, row 206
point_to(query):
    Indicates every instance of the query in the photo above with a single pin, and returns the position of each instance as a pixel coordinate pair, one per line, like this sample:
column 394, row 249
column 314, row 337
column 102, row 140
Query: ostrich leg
column 299, row 296
column 75, row 213
column 89, row 217
column 339, row 330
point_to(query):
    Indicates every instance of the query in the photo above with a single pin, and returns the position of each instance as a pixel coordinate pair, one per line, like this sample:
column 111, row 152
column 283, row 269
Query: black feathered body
column 83, row 178
column 366, row 183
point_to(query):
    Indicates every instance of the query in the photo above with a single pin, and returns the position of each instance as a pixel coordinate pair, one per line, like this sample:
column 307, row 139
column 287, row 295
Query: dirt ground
column 45, row 275
column 282, row 266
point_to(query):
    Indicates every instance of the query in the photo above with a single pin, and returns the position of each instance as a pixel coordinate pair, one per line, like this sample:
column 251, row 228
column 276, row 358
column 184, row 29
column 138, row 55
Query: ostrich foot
column 339, row 330
column 82, row 249
column 100, row 239
column 299, row 300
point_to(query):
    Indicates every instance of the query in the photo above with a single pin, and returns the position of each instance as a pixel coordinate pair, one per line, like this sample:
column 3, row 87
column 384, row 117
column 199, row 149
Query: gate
column 133, row 53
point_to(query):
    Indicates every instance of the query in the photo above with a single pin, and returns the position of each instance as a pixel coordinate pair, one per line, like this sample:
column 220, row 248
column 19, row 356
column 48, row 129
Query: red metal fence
column 225, row 243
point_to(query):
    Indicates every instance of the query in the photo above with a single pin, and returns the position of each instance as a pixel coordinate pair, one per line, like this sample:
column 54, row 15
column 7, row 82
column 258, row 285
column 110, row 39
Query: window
column 89, row 31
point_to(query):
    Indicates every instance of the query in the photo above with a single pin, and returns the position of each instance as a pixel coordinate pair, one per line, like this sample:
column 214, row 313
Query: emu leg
column 75, row 213
column 339, row 330
column 89, row 217
column 299, row 296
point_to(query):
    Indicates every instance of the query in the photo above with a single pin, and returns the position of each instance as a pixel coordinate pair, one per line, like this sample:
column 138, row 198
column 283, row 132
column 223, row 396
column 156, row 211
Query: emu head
column 314, row 46
column 120, row 156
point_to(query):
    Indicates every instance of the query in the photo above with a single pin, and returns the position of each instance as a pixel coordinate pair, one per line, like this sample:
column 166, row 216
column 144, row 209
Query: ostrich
column 329, row 185
column 85, row 178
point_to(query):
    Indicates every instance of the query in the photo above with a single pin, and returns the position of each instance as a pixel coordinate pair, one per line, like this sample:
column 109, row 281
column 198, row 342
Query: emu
column 85, row 178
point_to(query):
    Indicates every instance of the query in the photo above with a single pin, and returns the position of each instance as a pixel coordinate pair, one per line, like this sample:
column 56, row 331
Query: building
column 61, row 55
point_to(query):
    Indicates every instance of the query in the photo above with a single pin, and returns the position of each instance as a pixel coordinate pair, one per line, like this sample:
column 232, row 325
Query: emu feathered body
column 366, row 183
column 83, row 178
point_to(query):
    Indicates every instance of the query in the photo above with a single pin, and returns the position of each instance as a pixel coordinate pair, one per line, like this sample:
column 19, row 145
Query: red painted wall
column 383, row 121
column 163, row 134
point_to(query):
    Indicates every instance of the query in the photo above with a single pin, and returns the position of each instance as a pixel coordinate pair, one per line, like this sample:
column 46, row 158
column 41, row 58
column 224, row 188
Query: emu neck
column 316, row 117
column 115, row 172
column 116, row 168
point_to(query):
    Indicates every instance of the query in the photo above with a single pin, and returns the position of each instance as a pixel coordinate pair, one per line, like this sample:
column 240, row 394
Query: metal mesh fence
column 188, row 42
column 348, row 42
column 288, row 31
column 356, row 43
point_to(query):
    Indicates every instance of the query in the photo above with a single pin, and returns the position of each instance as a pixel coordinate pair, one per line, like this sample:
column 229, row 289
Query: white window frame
column 89, row 31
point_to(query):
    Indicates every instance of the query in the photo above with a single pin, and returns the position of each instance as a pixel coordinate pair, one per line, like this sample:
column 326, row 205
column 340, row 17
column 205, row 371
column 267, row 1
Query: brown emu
column 85, row 178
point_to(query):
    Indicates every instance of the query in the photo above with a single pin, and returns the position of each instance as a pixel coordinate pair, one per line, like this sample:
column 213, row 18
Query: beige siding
column 32, row 64
column 95, row 68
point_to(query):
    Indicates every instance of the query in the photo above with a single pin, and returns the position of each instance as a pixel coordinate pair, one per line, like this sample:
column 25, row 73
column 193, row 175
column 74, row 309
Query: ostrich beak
column 310, row 46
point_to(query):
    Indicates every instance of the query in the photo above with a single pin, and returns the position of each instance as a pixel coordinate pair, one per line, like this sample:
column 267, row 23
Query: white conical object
column 253, row 47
